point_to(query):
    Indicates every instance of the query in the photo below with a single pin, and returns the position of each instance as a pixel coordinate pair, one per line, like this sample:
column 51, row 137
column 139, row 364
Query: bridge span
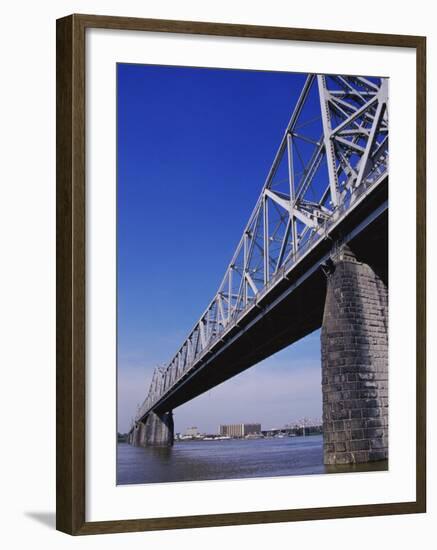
column 314, row 254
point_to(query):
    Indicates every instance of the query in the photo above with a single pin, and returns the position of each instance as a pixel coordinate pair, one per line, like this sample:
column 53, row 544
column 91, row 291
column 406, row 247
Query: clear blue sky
column 194, row 147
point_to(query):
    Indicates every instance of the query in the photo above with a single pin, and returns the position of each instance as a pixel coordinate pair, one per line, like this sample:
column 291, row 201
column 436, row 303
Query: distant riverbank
column 192, row 460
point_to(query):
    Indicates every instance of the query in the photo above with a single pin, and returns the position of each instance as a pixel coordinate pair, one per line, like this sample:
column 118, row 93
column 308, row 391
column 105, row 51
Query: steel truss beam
column 334, row 146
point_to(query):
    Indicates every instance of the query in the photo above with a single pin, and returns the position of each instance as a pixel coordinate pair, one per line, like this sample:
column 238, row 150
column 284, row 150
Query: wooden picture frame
column 71, row 255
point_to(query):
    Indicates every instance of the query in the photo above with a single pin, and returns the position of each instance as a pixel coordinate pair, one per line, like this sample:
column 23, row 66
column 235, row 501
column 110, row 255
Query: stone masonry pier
column 157, row 430
column 354, row 342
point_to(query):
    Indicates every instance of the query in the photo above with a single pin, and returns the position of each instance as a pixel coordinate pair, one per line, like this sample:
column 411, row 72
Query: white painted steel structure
column 334, row 148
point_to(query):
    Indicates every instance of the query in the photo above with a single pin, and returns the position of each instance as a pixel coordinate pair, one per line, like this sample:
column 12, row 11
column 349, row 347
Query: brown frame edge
column 70, row 274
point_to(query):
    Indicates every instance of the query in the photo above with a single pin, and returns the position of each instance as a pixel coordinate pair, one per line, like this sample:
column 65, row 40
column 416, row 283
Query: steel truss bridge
column 327, row 183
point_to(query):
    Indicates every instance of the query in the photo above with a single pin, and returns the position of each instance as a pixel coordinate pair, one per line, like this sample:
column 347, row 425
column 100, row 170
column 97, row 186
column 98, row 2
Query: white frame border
column 105, row 500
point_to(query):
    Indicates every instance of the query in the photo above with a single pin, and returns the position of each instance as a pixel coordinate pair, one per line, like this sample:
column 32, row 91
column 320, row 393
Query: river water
column 226, row 459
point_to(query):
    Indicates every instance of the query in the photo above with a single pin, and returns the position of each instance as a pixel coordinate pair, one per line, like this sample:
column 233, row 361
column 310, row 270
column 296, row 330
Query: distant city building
column 192, row 432
column 239, row 430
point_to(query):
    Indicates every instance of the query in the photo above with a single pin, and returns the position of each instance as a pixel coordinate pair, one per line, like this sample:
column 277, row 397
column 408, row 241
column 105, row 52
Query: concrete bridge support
column 158, row 430
column 136, row 435
column 354, row 342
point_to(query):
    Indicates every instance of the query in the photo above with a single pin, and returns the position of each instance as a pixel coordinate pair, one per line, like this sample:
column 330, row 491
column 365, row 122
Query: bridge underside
column 293, row 309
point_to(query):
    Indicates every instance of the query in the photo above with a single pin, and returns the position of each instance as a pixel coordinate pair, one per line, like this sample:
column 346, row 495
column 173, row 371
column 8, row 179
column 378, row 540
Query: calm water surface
column 228, row 459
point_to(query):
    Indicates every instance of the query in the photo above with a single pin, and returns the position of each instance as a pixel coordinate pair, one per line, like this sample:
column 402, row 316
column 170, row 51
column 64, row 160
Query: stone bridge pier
column 157, row 430
column 354, row 340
